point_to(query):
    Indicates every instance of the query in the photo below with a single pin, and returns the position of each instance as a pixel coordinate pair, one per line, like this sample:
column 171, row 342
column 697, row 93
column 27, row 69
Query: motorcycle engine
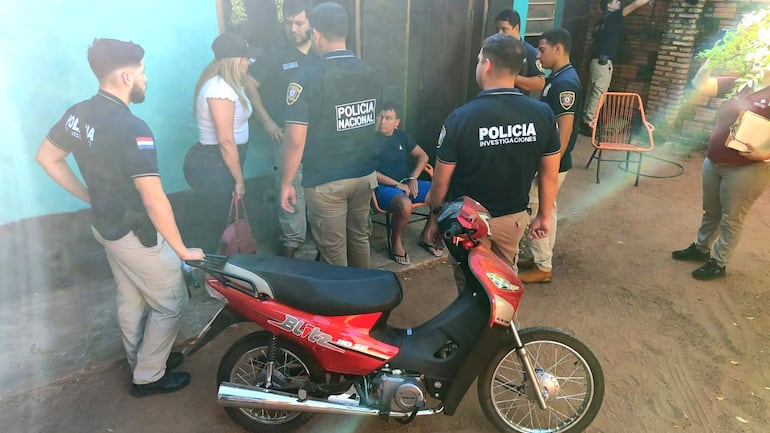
column 404, row 392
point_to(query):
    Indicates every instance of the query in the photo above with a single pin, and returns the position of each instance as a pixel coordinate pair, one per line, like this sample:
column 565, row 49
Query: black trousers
column 213, row 186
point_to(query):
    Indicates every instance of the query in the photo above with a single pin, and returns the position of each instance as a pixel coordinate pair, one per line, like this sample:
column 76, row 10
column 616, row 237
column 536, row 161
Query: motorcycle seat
column 321, row 288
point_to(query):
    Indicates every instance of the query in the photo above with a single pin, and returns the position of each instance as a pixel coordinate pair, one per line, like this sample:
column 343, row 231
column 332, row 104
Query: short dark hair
column 504, row 51
column 330, row 19
column 106, row 55
column 603, row 4
column 295, row 7
column 509, row 15
column 391, row 105
column 556, row 36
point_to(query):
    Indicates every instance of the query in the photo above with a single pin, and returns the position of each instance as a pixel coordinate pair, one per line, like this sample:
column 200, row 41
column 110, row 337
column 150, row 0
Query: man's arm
column 565, row 123
column 634, row 6
column 162, row 216
column 420, row 159
column 251, row 87
column 442, row 175
column 530, row 84
column 52, row 159
column 548, row 180
column 293, row 149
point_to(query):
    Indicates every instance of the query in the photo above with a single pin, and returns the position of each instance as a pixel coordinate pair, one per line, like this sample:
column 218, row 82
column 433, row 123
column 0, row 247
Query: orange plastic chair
column 615, row 126
column 416, row 216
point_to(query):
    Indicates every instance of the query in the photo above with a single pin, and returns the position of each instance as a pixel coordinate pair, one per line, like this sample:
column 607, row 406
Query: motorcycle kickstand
column 521, row 351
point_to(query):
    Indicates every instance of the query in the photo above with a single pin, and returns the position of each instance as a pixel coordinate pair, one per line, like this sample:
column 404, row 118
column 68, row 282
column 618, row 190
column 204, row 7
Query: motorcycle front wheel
column 564, row 366
column 245, row 363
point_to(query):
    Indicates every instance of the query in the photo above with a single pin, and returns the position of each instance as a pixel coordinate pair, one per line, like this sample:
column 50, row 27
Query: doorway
column 444, row 39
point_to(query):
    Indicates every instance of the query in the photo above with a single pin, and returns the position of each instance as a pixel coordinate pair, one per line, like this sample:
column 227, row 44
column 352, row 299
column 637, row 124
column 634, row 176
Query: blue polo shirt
column 496, row 142
column 562, row 94
column 337, row 98
column 112, row 147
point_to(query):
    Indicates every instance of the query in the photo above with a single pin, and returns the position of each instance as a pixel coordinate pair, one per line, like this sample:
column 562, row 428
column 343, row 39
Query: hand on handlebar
column 192, row 254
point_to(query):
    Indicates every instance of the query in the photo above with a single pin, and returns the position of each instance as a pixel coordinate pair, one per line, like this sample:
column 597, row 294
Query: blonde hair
column 227, row 68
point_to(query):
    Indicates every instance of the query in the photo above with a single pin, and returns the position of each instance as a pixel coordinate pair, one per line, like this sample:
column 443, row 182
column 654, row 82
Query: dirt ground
column 678, row 354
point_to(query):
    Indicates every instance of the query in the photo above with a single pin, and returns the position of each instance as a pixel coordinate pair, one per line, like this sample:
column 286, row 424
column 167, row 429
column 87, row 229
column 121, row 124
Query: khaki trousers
column 601, row 77
column 507, row 231
column 338, row 214
column 542, row 249
column 151, row 295
column 505, row 234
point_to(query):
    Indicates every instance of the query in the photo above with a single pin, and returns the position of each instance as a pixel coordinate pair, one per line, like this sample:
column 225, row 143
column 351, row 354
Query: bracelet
column 406, row 179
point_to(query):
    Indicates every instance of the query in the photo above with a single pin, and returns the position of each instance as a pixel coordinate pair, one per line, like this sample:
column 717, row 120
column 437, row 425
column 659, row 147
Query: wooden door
column 444, row 39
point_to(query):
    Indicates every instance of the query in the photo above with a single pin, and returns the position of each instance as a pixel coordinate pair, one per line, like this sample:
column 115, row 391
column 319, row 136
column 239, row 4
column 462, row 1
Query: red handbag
column 237, row 237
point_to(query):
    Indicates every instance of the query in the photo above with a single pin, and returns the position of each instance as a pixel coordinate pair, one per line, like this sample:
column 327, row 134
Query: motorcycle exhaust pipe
column 234, row 395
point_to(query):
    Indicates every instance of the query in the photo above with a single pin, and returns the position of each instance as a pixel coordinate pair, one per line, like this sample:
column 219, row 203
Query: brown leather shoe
column 535, row 275
column 286, row 251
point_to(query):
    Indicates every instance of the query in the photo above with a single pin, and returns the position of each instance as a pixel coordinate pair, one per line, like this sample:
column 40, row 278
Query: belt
column 208, row 147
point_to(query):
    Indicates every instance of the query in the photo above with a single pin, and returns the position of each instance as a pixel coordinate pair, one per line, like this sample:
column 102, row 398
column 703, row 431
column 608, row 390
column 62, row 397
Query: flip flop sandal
column 432, row 249
column 401, row 259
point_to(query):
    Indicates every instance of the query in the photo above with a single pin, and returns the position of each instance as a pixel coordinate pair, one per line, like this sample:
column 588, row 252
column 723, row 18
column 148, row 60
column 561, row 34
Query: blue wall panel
column 44, row 70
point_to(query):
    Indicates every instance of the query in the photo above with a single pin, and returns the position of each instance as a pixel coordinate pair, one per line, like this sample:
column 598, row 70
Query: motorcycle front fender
column 222, row 320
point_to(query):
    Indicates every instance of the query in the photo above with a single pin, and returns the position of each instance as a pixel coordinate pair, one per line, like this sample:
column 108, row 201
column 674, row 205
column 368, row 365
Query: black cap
column 231, row 45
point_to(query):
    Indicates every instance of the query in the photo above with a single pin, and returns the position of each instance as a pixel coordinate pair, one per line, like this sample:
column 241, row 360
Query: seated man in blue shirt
column 401, row 161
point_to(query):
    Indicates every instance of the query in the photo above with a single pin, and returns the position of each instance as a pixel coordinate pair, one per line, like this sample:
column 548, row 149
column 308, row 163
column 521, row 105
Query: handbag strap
column 237, row 206
column 233, row 207
column 242, row 207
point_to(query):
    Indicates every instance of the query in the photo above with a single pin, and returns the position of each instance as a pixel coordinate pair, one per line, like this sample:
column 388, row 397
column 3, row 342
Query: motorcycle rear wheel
column 245, row 363
column 565, row 367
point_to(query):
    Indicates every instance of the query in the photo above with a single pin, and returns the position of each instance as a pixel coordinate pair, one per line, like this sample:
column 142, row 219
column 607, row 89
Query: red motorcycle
column 326, row 346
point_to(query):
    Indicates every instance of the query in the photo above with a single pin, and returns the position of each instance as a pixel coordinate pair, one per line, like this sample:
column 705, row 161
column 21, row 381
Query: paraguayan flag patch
column 145, row 143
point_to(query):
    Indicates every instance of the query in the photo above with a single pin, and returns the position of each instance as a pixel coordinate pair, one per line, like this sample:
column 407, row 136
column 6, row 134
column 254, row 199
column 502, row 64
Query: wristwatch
column 435, row 210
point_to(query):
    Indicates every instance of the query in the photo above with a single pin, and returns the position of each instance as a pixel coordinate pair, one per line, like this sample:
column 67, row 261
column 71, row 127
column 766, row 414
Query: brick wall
column 695, row 115
column 674, row 62
column 659, row 60
column 634, row 66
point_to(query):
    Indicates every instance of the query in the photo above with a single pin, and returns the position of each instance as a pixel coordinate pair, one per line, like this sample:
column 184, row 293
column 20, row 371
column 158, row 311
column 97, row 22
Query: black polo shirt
column 562, row 94
column 112, row 147
column 395, row 154
column 496, row 141
column 608, row 34
column 531, row 66
column 337, row 98
column 274, row 73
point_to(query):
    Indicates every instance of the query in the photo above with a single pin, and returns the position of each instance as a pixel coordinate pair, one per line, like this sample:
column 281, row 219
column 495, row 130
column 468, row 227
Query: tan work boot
column 535, row 275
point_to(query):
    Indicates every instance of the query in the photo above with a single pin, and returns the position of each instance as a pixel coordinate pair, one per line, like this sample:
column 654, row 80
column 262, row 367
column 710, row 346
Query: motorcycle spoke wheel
column 564, row 366
column 245, row 363
column 251, row 369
